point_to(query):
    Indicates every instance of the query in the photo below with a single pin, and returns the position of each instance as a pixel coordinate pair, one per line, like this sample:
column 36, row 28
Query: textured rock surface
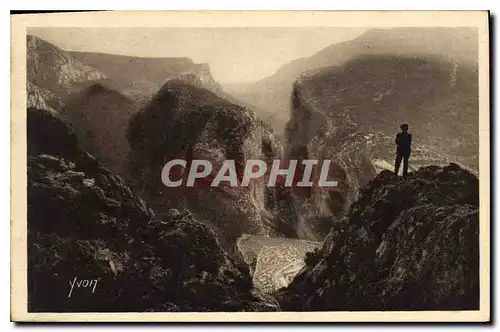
column 41, row 98
column 407, row 244
column 50, row 68
column 314, row 134
column 186, row 121
column 86, row 223
column 98, row 93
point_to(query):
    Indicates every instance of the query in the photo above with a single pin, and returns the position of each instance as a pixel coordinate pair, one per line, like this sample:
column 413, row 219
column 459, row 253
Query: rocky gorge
column 101, row 127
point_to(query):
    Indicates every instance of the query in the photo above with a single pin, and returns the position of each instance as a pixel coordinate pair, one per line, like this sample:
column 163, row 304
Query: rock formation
column 186, row 121
column 406, row 244
column 85, row 224
column 54, row 70
column 41, row 98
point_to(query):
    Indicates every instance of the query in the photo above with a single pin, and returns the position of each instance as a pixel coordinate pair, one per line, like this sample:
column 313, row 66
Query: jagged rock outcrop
column 84, row 223
column 41, row 98
column 407, row 244
column 312, row 134
column 100, row 117
column 185, row 121
column 52, row 69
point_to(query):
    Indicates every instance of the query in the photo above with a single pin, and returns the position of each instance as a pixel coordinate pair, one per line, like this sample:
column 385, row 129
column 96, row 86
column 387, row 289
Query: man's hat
column 404, row 126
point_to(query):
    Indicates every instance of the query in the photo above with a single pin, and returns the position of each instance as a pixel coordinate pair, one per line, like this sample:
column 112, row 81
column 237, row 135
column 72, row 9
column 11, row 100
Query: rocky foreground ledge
column 406, row 244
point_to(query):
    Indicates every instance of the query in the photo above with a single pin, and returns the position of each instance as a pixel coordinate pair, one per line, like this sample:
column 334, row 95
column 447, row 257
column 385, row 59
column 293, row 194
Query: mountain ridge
column 64, row 72
column 52, row 69
column 271, row 94
column 136, row 76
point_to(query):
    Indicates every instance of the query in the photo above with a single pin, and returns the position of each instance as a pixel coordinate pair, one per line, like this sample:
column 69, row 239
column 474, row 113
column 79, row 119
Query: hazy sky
column 234, row 54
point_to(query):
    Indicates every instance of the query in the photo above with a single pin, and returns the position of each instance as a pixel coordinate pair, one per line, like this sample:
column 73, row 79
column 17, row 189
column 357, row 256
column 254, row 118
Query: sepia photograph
column 250, row 166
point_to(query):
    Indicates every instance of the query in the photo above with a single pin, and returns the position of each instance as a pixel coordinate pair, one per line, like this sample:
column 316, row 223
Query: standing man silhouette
column 403, row 142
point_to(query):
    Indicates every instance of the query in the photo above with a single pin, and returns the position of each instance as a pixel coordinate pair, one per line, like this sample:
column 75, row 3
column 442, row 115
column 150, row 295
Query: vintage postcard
column 250, row 166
